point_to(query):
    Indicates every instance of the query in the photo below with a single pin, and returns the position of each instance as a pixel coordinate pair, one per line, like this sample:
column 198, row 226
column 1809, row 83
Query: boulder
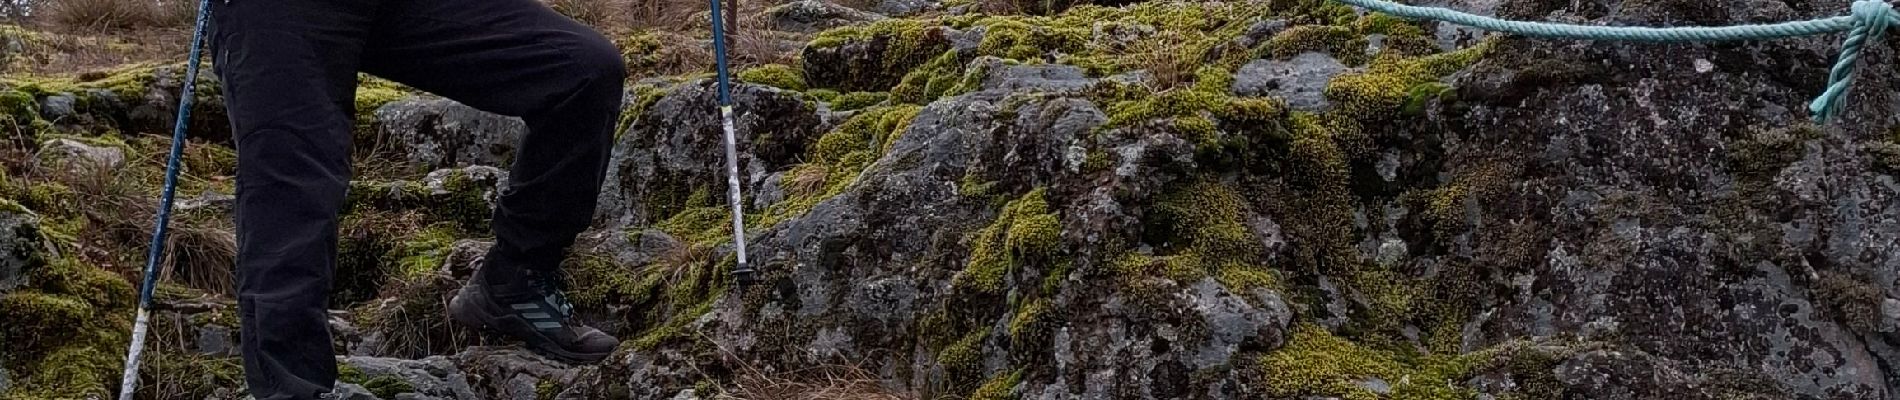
column 22, row 247
column 75, row 156
column 1300, row 81
column 435, row 133
column 815, row 15
column 675, row 149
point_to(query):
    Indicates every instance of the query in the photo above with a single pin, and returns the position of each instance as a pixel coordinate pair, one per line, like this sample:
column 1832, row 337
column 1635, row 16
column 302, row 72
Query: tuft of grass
column 823, row 382
column 96, row 15
column 600, row 14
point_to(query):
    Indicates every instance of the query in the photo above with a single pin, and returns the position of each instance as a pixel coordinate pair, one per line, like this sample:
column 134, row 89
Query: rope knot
column 1871, row 19
column 1875, row 15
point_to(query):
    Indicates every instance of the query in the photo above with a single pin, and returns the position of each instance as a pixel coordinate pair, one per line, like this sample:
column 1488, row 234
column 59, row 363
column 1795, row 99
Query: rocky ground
column 1279, row 199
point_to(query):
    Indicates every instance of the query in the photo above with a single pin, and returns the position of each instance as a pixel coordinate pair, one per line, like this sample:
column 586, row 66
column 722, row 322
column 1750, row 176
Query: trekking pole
column 130, row 380
column 743, row 273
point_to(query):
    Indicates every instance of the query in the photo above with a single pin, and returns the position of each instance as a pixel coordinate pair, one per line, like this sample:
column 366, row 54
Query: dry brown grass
column 806, row 180
column 603, row 15
column 827, row 382
column 120, row 205
column 99, row 49
column 411, row 318
column 93, row 15
column 663, row 14
column 1160, row 55
column 761, row 47
column 1000, row 7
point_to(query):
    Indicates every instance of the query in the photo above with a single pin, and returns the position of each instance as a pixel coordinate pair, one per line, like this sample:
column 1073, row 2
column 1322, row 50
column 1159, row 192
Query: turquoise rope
column 1869, row 20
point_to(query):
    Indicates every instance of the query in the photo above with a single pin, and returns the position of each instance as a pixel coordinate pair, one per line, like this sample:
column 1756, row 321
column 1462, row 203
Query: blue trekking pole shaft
column 743, row 272
column 156, row 253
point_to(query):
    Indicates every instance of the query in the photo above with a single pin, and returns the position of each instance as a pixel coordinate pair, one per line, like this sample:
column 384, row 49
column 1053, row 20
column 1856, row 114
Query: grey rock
column 904, row 8
column 213, row 203
column 22, row 247
column 434, row 376
column 1009, row 77
column 815, row 15
column 489, row 180
column 1301, row 80
column 1375, row 385
column 1233, row 321
column 434, row 133
column 4, row 383
column 1890, row 308
column 350, row 391
column 1259, row 32
column 675, row 148
column 1120, row 35
column 514, row 373
column 75, row 156
column 771, row 191
column 966, row 40
column 58, row 106
column 216, row 341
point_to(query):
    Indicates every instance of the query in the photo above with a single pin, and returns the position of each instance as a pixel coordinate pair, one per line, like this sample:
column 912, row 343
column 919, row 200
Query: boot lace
column 553, row 288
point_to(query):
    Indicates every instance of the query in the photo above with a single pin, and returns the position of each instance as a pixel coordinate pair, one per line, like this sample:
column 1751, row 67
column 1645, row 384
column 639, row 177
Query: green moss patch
column 857, row 100
column 1026, row 231
column 68, row 327
column 1390, row 83
column 837, row 159
column 774, row 75
column 1000, row 387
column 1316, row 363
column 894, row 46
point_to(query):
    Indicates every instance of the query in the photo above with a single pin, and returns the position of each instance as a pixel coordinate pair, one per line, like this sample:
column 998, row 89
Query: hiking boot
column 534, row 311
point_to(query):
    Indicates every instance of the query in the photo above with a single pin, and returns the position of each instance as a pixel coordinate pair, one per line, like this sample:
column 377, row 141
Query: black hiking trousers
column 289, row 70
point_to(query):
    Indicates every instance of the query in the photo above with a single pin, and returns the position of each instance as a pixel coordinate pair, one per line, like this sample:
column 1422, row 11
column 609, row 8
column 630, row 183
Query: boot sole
column 475, row 316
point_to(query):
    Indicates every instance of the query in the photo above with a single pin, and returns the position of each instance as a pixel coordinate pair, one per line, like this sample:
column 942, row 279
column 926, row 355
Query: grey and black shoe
column 534, row 311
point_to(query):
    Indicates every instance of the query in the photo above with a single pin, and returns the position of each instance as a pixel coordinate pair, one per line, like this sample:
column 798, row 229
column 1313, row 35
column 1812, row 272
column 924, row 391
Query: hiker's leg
column 288, row 69
column 517, row 58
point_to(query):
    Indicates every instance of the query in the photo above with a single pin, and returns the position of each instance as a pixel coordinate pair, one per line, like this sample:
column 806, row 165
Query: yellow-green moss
column 425, row 250
column 1016, row 39
column 384, row 386
column 1386, row 24
column 999, row 387
column 371, row 94
column 928, row 81
column 547, row 389
column 1199, row 230
column 1390, row 82
column 1031, row 323
column 1027, row 230
column 1175, row 103
column 840, row 156
column 182, row 375
column 907, row 43
column 68, row 327
column 73, row 372
column 1239, row 277
column 1854, row 302
column 1316, row 363
column 703, row 220
column 824, row 95
column 675, row 328
column 37, row 322
column 858, row 100
column 1344, row 43
column 774, row 75
column 965, row 355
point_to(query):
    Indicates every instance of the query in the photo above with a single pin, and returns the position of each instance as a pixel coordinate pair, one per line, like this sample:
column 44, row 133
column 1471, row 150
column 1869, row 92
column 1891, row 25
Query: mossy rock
column 775, row 75
column 871, row 57
column 1027, row 231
